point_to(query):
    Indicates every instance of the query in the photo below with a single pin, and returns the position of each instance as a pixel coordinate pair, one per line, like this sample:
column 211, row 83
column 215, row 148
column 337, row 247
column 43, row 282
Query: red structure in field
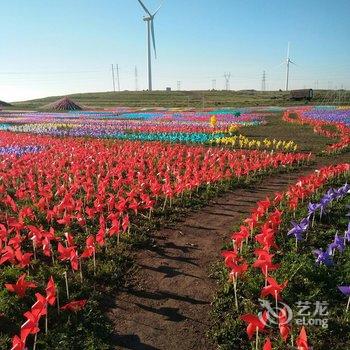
column 64, row 104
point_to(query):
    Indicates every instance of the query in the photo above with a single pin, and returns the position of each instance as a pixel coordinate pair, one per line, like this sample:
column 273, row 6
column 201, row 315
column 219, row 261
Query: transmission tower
column 227, row 77
column 263, row 82
column 113, row 78
column 213, row 84
column 178, row 83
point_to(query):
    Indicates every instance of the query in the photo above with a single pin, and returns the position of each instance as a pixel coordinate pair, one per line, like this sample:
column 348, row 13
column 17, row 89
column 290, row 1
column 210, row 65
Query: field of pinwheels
column 81, row 193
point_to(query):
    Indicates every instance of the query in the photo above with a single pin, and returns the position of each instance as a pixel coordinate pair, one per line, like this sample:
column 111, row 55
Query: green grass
column 302, row 135
column 184, row 99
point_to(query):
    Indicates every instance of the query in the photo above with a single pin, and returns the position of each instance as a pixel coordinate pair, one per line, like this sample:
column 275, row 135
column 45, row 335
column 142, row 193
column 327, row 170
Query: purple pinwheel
column 338, row 243
column 343, row 191
column 313, row 207
column 346, row 291
column 298, row 229
column 323, row 257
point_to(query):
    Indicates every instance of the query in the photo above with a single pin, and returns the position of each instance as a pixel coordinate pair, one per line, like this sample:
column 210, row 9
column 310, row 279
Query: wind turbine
column 288, row 62
column 150, row 37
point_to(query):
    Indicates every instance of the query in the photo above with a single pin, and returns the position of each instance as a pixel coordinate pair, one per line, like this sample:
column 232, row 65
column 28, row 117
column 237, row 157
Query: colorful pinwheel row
column 241, row 141
column 342, row 130
column 262, row 227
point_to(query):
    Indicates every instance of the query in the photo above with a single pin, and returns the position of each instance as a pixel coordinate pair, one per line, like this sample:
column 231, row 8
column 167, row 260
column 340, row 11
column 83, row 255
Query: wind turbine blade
column 153, row 39
column 157, row 9
column 288, row 49
column 144, row 7
column 290, row 61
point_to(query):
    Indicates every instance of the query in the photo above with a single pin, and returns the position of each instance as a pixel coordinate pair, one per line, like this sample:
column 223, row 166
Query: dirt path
column 168, row 308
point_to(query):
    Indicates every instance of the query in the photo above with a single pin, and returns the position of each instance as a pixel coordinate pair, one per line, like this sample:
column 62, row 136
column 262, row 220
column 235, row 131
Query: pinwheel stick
column 313, row 220
column 58, row 299
column 165, row 201
column 46, row 321
column 257, row 339
column 80, row 271
column 235, row 291
column 34, row 250
column 276, row 300
column 94, row 260
column 348, row 304
column 66, row 280
column 35, row 341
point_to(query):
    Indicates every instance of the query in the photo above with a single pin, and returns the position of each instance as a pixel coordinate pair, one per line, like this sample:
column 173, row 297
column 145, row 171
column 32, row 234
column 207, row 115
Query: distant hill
column 193, row 99
column 5, row 104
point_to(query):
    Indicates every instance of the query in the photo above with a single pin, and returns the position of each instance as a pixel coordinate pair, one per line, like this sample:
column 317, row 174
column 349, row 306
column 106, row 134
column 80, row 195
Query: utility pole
column 118, row 78
column 213, row 84
column 263, row 82
column 113, row 78
column 136, row 80
column 227, row 77
column 178, row 85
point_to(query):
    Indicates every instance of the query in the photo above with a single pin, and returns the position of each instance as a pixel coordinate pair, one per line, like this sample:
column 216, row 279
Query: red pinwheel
column 240, row 236
column 264, row 262
column 283, row 326
column 70, row 254
column 301, row 340
column 125, row 223
column 274, row 289
column 255, row 324
column 8, row 254
column 267, row 345
column 51, row 292
column 20, row 286
column 74, row 306
column 90, row 247
column 17, row 343
column 23, row 259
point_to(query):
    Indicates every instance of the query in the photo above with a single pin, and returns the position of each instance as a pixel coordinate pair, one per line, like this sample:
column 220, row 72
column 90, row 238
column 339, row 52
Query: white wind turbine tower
column 150, row 37
column 288, row 62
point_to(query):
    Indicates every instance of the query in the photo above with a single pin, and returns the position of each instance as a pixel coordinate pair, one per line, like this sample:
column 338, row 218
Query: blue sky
column 56, row 47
